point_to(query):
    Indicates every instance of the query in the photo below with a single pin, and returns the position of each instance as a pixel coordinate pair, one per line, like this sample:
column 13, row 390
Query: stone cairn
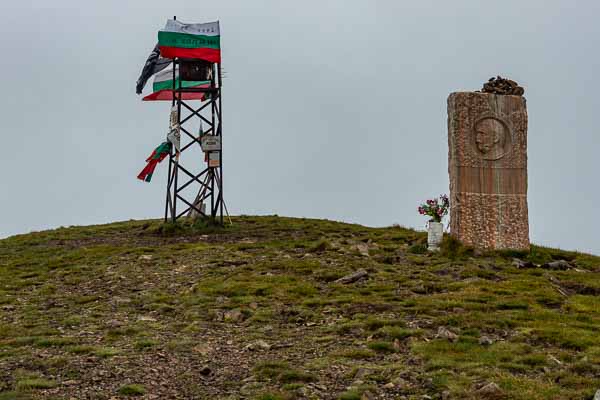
column 499, row 85
column 487, row 164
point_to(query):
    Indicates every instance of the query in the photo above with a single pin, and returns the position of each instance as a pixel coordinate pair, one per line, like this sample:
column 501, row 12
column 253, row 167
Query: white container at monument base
column 435, row 233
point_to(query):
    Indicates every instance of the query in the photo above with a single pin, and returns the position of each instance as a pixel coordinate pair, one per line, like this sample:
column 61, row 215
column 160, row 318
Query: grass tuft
column 132, row 390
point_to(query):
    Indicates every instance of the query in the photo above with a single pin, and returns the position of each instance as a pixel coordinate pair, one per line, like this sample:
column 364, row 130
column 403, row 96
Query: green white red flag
column 162, row 88
column 201, row 41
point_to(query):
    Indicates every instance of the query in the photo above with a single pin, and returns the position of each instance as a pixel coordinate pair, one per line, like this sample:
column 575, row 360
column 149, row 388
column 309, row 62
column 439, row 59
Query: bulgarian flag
column 201, row 41
column 159, row 154
column 162, row 88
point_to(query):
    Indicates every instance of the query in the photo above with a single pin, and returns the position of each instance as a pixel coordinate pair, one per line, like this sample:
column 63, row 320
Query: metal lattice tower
column 191, row 189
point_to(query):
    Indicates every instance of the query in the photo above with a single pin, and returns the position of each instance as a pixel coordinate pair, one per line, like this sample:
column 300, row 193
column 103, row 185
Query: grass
column 172, row 307
column 132, row 390
column 282, row 372
column 34, row 383
column 382, row 347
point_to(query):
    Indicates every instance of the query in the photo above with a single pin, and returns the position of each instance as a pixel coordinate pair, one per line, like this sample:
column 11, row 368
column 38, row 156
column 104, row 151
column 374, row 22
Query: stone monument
column 487, row 163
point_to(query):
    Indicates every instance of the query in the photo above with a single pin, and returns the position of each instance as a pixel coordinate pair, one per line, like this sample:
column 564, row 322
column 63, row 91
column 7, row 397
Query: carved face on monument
column 491, row 137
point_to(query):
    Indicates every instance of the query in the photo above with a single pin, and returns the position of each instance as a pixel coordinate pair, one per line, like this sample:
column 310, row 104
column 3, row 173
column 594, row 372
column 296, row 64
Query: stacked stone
column 499, row 85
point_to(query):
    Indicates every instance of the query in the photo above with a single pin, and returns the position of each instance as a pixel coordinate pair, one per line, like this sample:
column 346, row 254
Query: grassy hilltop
column 256, row 311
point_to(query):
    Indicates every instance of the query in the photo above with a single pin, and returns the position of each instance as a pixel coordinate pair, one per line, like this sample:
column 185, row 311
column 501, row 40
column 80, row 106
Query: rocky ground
column 283, row 308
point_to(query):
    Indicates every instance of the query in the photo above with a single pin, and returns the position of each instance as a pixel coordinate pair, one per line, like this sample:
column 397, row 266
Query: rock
column 145, row 257
column 523, row 264
column 361, row 373
column 203, row 349
column 560, row 265
column 397, row 344
column 233, row 316
column 554, row 359
column 499, row 85
column 253, row 305
column 219, row 316
column 419, row 289
column 400, row 382
column 221, row 299
column 113, row 323
column 121, row 300
column 491, row 390
column 485, row 341
column 445, row 395
column 444, row 333
column 146, row 318
column 356, row 276
column 597, row 395
column 205, row 371
column 258, row 345
column 362, row 248
column 70, row 383
column 389, row 385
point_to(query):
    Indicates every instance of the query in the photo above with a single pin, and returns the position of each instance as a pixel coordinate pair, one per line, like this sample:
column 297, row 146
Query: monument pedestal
column 487, row 163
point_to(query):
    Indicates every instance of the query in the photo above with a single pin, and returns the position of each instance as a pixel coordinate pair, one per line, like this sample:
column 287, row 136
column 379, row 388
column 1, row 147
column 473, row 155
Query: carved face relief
column 491, row 138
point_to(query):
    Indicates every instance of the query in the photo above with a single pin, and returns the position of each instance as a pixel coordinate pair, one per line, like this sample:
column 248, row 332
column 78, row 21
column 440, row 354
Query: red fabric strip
column 211, row 55
column 168, row 95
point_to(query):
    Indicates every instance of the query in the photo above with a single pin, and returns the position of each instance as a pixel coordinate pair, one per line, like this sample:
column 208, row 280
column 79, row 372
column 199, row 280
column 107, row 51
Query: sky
column 332, row 109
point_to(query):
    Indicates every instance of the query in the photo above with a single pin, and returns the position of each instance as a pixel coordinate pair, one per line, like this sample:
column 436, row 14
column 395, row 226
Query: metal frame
column 209, row 179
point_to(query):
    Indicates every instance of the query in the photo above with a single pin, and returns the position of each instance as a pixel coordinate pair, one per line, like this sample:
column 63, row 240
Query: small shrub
column 453, row 249
column 105, row 352
column 373, row 324
column 381, row 347
column 513, row 305
column 395, row 332
column 357, row 354
column 81, row 349
column 197, row 226
column 282, row 372
column 35, row 383
column 296, row 376
column 418, row 248
column 132, row 390
column 539, row 255
column 145, row 343
column 270, row 369
column 320, row 247
column 350, row 395
column 55, row 342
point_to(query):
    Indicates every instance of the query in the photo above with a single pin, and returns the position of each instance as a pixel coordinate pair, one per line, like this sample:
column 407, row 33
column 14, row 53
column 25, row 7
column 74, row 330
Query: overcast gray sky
column 333, row 109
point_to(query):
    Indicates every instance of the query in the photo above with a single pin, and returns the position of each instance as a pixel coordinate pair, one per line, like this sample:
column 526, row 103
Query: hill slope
column 254, row 311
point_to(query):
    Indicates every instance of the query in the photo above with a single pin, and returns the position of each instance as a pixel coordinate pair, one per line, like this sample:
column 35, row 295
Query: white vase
column 435, row 233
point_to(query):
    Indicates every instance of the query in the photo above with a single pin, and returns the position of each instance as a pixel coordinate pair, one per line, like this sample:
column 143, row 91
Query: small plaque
column 214, row 159
column 210, row 143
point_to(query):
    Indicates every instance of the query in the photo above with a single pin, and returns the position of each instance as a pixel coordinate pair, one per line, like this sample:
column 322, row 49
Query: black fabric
column 154, row 64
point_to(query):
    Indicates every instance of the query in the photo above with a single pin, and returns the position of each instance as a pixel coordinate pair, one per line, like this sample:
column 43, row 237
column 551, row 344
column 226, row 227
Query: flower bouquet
column 436, row 209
